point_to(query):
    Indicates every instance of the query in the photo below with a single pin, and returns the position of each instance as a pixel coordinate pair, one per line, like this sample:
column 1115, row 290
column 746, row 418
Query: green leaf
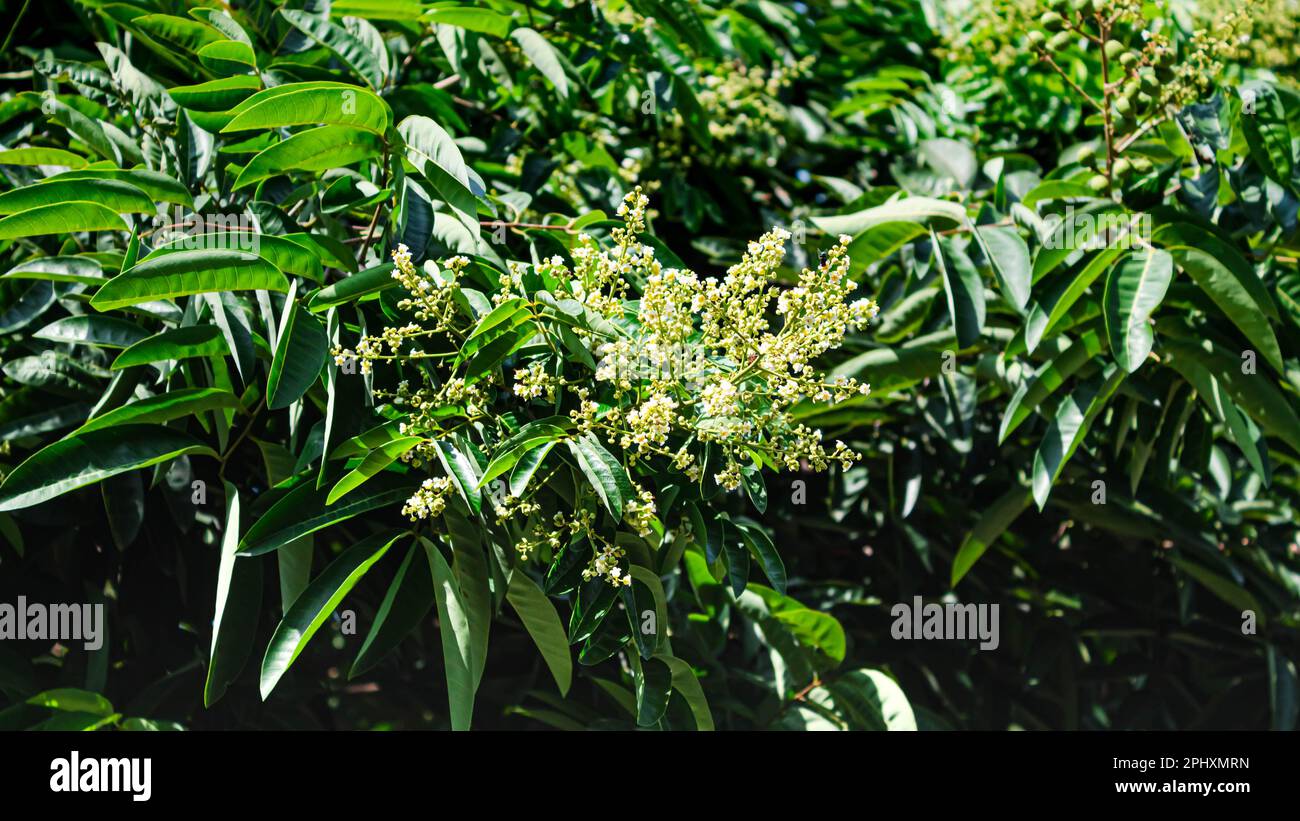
column 654, row 684
column 405, row 605
column 1267, row 133
column 238, row 602
column 303, row 510
column 119, row 197
column 1134, row 289
column 348, row 48
column 61, row 218
column 1228, row 279
column 965, row 292
column 760, row 544
column 910, row 209
column 865, row 700
column 100, row 331
column 526, row 468
column 352, row 288
column 1048, row 310
column 470, row 569
column 543, row 624
column 463, row 473
column 316, row 150
column 180, row 343
column 284, row 253
column 481, row 20
column 189, row 272
column 457, row 643
column 687, row 684
column 1069, row 428
column 1009, row 256
column 228, row 57
column 1234, row 594
column 543, row 57
column 316, row 603
column 309, row 103
column 375, row 461
column 300, row 354
column 157, row 185
column 174, row 404
column 992, row 523
column 1049, row 377
column 606, row 476
column 41, row 156
column 88, row 457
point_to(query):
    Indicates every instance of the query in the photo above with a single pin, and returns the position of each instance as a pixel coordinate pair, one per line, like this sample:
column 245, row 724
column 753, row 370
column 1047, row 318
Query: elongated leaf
column 100, row 331
column 304, row 511
column 686, row 683
column 320, row 149
column 317, row 602
column 164, row 407
column 964, row 290
column 180, row 343
column 606, row 476
column 61, row 218
column 405, row 605
column 1049, row 377
column 238, row 601
column 991, row 525
column 1069, row 428
column 300, row 354
column 308, row 103
column 351, row 50
column 543, row 624
column 1134, row 289
column 457, row 644
column 910, row 209
column 85, row 458
column 119, row 197
column 544, row 57
column 1009, row 256
column 374, row 462
column 189, row 272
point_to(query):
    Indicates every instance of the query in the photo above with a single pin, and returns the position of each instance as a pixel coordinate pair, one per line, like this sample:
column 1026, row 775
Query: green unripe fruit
column 1122, row 167
column 1144, row 100
column 1051, row 21
column 1120, row 123
column 1099, row 6
column 1128, row 59
column 1098, row 183
column 1141, row 164
column 1088, row 156
column 1149, row 82
column 1113, row 49
column 1130, row 88
column 1060, row 40
column 1037, row 39
column 1059, row 4
column 1123, row 106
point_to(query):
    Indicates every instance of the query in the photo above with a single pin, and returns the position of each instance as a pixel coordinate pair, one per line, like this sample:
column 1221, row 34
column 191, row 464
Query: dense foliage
column 379, row 363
